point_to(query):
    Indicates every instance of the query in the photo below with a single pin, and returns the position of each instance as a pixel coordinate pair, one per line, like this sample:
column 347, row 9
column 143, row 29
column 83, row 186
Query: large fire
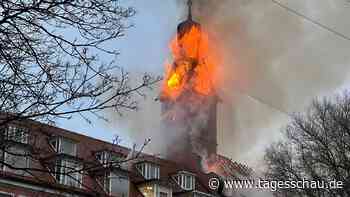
column 194, row 66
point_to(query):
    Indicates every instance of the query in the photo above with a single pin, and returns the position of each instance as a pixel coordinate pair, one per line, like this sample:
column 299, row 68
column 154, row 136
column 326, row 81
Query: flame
column 174, row 81
column 225, row 167
column 194, row 65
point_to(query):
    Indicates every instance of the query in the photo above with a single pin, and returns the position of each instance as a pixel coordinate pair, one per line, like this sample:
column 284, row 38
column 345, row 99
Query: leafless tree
column 51, row 67
column 34, row 157
column 49, row 59
column 316, row 148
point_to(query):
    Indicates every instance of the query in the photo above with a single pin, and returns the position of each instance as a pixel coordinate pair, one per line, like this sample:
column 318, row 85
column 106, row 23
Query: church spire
column 189, row 3
column 186, row 25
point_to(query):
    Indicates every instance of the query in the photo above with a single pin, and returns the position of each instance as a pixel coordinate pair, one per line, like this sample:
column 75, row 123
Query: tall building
column 189, row 100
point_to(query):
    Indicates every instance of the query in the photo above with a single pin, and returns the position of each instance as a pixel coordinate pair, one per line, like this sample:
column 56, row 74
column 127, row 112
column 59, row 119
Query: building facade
column 41, row 160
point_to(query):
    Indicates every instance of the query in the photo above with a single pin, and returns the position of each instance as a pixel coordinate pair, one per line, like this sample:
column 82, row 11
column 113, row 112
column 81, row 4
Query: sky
column 297, row 61
column 144, row 48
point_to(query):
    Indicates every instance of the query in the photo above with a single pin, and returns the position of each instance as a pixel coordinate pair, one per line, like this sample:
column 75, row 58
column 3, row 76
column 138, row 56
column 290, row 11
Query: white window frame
column 103, row 157
column 108, row 177
column 107, row 157
column 145, row 169
column 13, row 131
column 58, row 149
column 63, row 178
column 182, row 181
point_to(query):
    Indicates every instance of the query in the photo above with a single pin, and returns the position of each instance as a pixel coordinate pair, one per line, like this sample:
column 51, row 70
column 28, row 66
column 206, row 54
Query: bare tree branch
column 49, row 59
column 316, row 148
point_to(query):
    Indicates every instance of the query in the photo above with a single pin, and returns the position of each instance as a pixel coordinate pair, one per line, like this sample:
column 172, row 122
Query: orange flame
column 194, row 65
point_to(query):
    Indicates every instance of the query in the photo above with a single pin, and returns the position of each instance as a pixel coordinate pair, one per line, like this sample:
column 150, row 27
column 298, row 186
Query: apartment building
column 40, row 160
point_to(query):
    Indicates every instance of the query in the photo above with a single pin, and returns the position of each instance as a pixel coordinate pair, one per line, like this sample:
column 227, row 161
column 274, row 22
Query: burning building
column 189, row 104
column 189, row 100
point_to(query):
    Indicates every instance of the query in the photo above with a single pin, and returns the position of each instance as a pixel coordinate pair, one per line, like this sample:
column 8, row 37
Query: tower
column 189, row 102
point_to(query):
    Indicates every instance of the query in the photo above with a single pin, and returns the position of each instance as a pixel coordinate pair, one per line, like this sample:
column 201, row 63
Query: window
column 189, row 182
column 109, row 157
column 17, row 157
column 155, row 190
column 185, row 180
column 116, row 184
column 64, row 145
column 68, row 172
column 16, row 134
column 148, row 170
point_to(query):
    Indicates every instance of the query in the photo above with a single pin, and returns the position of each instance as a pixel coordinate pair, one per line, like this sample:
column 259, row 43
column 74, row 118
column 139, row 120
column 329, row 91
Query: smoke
column 280, row 60
column 274, row 63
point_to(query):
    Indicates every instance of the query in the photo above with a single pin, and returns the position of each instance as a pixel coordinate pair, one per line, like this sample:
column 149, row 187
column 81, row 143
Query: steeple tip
column 189, row 3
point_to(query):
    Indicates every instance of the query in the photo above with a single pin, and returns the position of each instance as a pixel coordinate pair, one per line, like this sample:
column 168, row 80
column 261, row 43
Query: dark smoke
column 280, row 60
column 274, row 63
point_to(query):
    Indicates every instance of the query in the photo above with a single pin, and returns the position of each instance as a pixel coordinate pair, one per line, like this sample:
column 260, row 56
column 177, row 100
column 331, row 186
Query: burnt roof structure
column 187, row 25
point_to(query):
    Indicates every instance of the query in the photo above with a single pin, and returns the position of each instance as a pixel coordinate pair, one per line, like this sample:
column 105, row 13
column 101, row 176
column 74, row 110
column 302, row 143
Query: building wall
column 192, row 127
column 23, row 190
column 43, row 183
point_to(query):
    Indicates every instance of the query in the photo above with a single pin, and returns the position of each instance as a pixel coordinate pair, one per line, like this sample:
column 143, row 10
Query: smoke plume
column 274, row 62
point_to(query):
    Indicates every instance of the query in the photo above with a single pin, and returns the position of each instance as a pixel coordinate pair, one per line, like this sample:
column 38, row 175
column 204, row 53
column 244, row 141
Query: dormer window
column 64, row 145
column 148, row 170
column 17, row 134
column 69, row 172
column 109, row 158
column 185, row 180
